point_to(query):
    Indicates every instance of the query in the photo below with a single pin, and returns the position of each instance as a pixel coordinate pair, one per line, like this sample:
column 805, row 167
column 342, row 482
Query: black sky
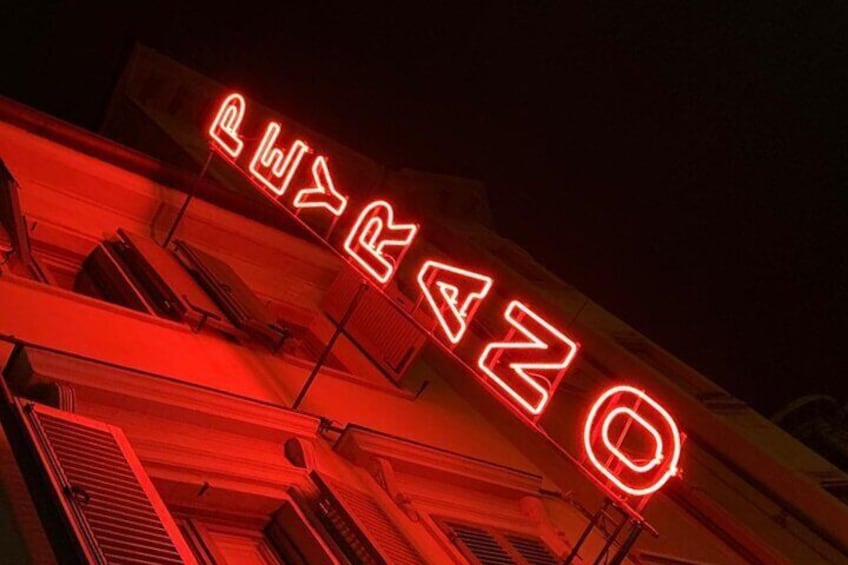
column 682, row 165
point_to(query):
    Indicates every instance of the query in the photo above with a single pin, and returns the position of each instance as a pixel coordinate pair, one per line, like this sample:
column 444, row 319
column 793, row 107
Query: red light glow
column 373, row 234
column 458, row 294
column 629, row 438
column 224, row 128
column 538, row 363
column 270, row 166
column 324, row 193
column 636, row 477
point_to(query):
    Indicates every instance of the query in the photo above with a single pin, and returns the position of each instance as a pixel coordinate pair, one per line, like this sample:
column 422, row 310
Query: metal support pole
column 188, row 199
column 610, row 540
column 586, row 531
column 627, row 545
column 331, row 228
column 363, row 286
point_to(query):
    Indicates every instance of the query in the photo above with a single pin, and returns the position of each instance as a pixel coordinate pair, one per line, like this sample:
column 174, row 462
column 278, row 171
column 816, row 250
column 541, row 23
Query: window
column 292, row 535
column 135, row 272
column 98, row 489
column 215, row 543
column 15, row 250
column 188, row 285
column 93, row 496
column 298, row 535
column 232, row 295
column 485, row 545
column 450, row 496
column 359, row 526
column 103, row 275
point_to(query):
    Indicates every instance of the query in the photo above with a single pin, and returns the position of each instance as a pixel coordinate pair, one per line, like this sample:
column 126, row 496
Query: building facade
column 167, row 396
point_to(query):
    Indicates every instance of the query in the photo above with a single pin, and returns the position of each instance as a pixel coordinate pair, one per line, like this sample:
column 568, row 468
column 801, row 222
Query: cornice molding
column 98, row 382
column 362, row 447
column 56, row 394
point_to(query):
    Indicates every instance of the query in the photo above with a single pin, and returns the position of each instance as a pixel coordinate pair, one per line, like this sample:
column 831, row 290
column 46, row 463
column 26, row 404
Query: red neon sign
column 270, row 166
column 376, row 242
column 525, row 367
column 324, row 193
column 638, row 471
column 528, row 371
column 224, row 128
column 454, row 295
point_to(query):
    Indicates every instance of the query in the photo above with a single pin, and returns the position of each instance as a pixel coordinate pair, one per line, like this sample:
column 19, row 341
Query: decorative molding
column 384, row 475
column 55, row 394
column 157, row 395
column 300, row 453
column 363, row 446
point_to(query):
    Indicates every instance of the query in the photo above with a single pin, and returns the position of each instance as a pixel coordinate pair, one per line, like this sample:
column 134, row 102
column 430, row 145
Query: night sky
column 682, row 165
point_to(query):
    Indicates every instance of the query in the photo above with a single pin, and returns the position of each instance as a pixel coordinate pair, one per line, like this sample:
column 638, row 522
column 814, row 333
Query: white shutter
column 360, row 525
column 484, row 545
column 88, row 481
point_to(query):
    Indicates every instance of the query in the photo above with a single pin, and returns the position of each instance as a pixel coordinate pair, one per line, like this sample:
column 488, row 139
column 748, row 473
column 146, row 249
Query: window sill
column 91, row 301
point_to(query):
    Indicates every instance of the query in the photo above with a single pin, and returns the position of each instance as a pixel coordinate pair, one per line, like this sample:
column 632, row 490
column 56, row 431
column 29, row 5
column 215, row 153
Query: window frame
column 199, row 535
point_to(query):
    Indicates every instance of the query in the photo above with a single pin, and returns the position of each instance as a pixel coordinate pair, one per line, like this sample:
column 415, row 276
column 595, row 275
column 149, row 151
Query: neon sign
column 324, row 193
column 376, row 243
column 535, row 365
column 270, row 166
column 524, row 368
column 626, row 407
column 224, row 128
column 454, row 294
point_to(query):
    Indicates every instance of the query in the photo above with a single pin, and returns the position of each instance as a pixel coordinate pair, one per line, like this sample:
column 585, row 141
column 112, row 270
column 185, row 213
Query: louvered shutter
column 532, row 549
column 377, row 328
column 483, row 545
column 232, row 294
column 102, row 275
column 363, row 529
column 478, row 545
column 165, row 302
column 175, row 292
column 90, row 484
